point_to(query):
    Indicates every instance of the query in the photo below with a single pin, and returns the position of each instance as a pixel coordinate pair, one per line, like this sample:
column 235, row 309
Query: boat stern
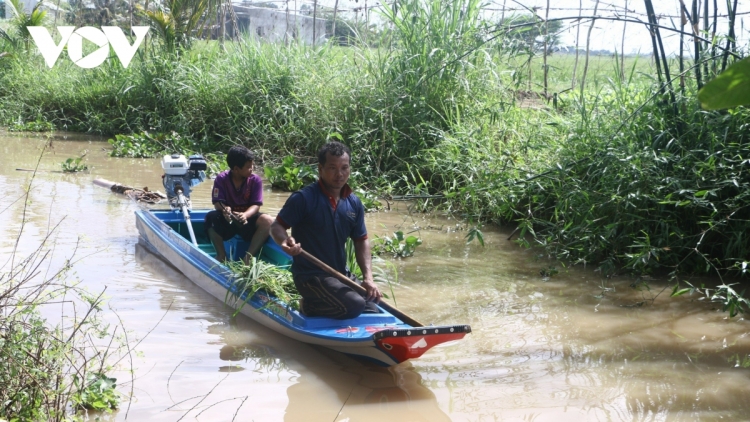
column 409, row 343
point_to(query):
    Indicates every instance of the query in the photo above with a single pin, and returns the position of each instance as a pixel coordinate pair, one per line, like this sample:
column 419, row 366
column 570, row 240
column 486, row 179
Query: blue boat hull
column 379, row 337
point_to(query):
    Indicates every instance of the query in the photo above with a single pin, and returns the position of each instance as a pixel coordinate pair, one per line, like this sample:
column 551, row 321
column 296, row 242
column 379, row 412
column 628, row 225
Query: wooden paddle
column 357, row 288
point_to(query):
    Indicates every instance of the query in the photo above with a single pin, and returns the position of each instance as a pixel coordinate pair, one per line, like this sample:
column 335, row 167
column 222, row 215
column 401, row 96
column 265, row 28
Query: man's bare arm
column 287, row 243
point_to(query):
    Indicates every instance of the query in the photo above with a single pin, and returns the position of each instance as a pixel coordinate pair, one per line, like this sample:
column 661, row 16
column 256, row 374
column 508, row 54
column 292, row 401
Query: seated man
column 322, row 216
column 237, row 196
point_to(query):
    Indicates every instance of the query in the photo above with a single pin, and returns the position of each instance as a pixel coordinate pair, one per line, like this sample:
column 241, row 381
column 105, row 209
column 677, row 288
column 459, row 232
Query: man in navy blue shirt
column 322, row 216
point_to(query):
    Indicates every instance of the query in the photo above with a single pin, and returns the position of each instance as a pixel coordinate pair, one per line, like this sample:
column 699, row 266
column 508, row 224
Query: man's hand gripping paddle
column 359, row 289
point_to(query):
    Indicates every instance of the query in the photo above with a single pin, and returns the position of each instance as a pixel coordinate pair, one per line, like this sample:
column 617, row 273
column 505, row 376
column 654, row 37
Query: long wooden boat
column 378, row 337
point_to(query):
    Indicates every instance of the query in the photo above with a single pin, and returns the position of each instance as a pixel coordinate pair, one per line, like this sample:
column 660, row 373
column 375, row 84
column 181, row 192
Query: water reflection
column 361, row 392
column 331, row 383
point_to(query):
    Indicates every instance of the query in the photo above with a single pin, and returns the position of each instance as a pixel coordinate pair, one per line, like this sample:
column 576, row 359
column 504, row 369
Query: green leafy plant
column 177, row 20
column 147, row 145
column 74, row 165
column 216, row 163
column 730, row 89
column 475, row 233
column 289, row 176
column 732, row 302
column 17, row 35
column 257, row 276
column 38, row 125
column 135, row 146
column 398, row 245
column 369, row 199
column 97, row 393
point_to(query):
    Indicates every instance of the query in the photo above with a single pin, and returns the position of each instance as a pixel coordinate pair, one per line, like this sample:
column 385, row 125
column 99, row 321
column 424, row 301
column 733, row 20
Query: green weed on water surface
column 74, row 165
column 399, row 245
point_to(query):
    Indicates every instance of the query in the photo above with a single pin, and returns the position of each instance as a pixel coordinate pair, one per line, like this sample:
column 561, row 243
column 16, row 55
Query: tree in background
column 177, row 21
column 526, row 32
column 349, row 32
column 98, row 12
column 17, row 36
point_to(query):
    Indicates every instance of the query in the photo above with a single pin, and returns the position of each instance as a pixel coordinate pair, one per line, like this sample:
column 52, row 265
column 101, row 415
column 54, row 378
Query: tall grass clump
column 427, row 78
column 270, row 97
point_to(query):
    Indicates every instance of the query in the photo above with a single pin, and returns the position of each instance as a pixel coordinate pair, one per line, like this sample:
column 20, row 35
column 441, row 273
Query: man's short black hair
column 337, row 149
column 238, row 156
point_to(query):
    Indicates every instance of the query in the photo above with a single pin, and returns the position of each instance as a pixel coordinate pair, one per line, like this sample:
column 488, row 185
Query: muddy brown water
column 574, row 347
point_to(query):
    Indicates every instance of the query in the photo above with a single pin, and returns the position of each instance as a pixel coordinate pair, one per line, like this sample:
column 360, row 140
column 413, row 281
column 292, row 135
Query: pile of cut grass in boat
column 257, row 276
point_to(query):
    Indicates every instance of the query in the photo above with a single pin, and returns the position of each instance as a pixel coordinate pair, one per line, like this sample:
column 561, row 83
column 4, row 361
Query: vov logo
column 105, row 37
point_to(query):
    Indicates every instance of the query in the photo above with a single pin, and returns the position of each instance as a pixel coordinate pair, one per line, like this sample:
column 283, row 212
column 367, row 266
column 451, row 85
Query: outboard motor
column 181, row 174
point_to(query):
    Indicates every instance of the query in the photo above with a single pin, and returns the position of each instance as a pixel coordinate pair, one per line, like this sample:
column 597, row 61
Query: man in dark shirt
column 322, row 216
column 237, row 196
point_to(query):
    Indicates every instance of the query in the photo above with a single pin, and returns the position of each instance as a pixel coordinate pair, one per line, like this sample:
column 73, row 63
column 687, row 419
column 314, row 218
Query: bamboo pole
column 705, row 30
column 730, row 37
column 333, row 30
column 655, row 46
column 315, row 15
column 622, row 45
column 683, row 21
column 286, row 27
column 578, row 36
column 697, row 45
column 657, row 35
column 546, row 37
column 57, row 12
column 715, row 63
column 222, row 28
column 588, row 47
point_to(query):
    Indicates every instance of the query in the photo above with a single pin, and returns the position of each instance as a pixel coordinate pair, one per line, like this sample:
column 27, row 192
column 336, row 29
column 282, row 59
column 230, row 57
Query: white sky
column 607, row 35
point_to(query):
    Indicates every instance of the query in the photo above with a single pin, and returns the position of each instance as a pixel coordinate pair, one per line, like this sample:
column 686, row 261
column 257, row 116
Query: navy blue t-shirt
column 322, row 227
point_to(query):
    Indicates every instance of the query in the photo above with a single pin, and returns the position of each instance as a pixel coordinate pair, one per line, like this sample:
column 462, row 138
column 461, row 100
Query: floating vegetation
column 74, row 165
column 399, row 245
